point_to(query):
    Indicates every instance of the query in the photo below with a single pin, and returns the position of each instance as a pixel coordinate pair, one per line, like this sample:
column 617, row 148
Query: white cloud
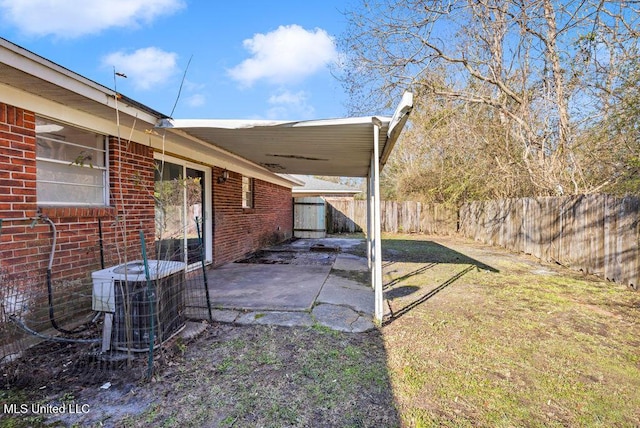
column 288, row 105
column 196, row 100
column 145, row 68
column 70, row 19
column 286, row 55
column 286, row 97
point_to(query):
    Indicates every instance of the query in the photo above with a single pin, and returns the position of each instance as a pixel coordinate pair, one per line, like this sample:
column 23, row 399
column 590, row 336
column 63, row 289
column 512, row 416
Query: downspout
column 369, row 181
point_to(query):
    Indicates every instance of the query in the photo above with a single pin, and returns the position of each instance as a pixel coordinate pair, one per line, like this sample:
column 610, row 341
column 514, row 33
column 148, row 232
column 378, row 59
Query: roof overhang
column 333, row 147
column 37, row 84
column 320, row 192
column 24, row 70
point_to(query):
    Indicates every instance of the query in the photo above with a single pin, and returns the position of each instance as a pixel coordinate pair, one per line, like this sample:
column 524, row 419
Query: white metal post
column 369, row 226
column 377, row 243
column 371, row 232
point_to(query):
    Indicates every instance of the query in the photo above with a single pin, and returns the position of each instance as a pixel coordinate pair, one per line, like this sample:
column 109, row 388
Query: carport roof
column 333, row 147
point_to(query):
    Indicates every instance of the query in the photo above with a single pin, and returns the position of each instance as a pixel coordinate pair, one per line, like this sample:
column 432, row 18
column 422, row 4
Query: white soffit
column 334, row 147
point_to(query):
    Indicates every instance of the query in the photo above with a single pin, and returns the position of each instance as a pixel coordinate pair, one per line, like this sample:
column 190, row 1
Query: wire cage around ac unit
column 131, row 305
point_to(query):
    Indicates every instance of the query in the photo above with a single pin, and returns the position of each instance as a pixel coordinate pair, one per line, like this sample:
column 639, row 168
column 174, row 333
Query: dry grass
column 509, row 343
column 475, row 336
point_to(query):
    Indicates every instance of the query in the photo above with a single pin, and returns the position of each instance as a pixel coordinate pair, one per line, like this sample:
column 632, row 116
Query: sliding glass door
column 182, row 207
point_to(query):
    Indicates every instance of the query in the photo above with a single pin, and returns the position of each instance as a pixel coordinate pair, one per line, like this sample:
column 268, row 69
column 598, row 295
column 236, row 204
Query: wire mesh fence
column 119, row 321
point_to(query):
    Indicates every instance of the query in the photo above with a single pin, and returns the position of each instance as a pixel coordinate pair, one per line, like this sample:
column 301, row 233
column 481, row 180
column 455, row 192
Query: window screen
column 71, row 165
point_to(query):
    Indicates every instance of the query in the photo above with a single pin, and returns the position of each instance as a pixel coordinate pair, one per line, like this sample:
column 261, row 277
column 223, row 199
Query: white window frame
column 77, row 167
column 248, row 201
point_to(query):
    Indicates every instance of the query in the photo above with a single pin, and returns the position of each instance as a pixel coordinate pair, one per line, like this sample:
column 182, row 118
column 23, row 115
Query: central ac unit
column 123, row 294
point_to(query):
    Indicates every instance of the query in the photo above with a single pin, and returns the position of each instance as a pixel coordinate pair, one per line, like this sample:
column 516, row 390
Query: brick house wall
column 131, row 184
column 238, row 231
column 19, row 257
column 25, row 247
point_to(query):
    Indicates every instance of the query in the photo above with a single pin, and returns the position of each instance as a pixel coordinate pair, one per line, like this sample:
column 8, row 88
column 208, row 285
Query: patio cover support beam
column 376, row 276
column 369, row 216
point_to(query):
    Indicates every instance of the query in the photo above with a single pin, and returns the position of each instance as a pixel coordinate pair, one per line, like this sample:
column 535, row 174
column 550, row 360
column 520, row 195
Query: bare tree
column 453, row 151
column 540, row 73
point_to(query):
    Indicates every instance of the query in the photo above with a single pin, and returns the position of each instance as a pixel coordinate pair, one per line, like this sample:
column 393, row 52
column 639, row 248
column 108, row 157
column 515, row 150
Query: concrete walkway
column 303, row 283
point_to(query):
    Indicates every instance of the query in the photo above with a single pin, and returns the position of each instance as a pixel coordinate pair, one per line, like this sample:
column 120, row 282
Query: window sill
column 80, row 212
column 248, row 210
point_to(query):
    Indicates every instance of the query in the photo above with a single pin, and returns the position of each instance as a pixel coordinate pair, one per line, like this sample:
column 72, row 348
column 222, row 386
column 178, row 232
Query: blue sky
column 249, row 59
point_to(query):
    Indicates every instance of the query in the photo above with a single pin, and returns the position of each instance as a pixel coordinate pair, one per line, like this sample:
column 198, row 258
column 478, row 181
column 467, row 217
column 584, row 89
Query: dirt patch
column 233, row 376
column 290, row 258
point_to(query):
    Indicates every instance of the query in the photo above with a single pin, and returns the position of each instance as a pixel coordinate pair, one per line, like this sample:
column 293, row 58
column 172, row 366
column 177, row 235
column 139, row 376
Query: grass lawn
column 474, row 336
column 510, row 342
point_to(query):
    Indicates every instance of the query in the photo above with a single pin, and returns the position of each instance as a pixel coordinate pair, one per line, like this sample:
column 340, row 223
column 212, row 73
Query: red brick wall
column 25, row 250
column 239, row 231
column 18, row 254
column 131, row 178
column 17, row 163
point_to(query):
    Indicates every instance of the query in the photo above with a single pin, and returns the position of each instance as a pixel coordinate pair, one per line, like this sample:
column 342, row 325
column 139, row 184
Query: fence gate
column 309, row 217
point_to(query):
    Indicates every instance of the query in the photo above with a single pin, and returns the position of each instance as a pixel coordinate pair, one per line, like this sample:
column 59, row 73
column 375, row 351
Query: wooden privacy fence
column 348, row 215
column 596, row 234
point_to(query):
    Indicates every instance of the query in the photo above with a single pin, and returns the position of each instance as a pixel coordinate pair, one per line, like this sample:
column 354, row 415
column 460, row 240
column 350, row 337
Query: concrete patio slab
column 346, row 261
column 285, row 319
column 290, row 285
column 266, row 287
column 342, row 318
column 343, row 291
column 345, row 244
